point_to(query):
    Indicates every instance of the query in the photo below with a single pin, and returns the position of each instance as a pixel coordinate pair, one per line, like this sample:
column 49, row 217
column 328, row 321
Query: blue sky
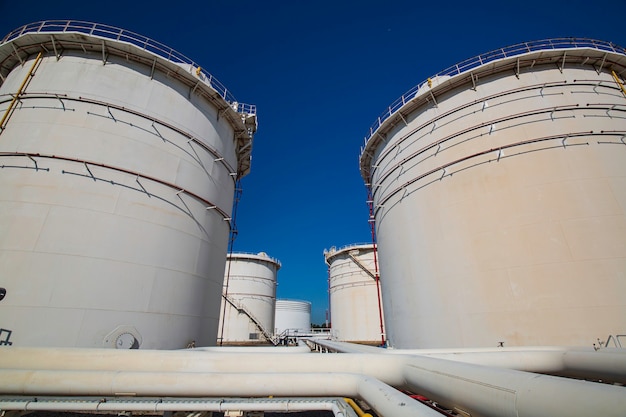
column 320, row 73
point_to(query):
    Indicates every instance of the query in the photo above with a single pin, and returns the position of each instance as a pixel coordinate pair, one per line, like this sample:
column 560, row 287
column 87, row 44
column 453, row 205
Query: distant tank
column 499, row 196
column 293, row 317
column 354, row 297
column 249, row 299
column 119, row 160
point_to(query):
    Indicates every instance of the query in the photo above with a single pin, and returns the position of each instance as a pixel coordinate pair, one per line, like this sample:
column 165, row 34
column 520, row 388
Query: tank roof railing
column 334, row 249
column 506, row 52
column 293, row 300
column 257, row 255
column 140, row 41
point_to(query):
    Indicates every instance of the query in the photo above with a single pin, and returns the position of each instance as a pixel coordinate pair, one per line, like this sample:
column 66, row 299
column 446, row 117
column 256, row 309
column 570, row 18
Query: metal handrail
column 242, row 309
column 140, row 41
column 506, row 52
column 258, row 254
column 334, row 249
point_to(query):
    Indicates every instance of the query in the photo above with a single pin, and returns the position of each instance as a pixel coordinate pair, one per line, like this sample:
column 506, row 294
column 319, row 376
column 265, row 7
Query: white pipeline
column 607, row 364
column 495, row 392
column 387, row 369
column 301, row 348
column 385, row 400
column 477, row 389
column 160, row 405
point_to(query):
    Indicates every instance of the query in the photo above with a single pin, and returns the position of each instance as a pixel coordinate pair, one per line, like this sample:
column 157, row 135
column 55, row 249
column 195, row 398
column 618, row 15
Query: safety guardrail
column 140, row 41
column 334, row 249
column 506, row 52
column 254, row 255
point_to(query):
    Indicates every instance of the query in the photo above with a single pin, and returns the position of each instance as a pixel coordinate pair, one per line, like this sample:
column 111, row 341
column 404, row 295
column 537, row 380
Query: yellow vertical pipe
column 19, row 91
column 619, row 82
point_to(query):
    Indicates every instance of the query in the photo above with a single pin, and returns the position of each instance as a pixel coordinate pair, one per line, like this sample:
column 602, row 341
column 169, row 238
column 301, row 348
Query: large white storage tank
column 249, row 299
column 119, row 160
column 499, row 193
column 293, row 317
column 354, row 294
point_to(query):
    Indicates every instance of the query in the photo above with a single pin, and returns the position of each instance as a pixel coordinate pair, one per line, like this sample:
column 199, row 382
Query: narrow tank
column 354, row 294
column 119, row 160
column 292, row 317
column 248, row 299
column 499, row 197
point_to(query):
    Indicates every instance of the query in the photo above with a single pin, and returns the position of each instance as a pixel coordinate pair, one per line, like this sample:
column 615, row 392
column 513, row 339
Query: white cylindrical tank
column 353, row 287
column 499, row 195
column 292, row 317
column 119, row 159
column 249, row 298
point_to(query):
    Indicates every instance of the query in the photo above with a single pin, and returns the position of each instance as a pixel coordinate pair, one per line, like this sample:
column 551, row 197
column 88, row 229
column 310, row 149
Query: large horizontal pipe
column 98, row 404
column 495, row 392
column 477, row 389
column 387, row 369
column 385, row 400
column 301, row 348
column 254, row 349
column 607, row 364
column 345, row 347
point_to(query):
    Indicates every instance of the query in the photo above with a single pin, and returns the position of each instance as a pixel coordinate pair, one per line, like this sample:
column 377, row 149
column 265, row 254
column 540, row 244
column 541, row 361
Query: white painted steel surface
column 467, row 388
column 117, row 179
column 606, row 364
column 250, row 287
column 500, row 203
column 292, row 316
column 353, row 294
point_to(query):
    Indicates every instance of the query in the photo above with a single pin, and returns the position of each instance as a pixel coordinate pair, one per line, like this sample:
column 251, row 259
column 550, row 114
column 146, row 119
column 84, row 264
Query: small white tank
column 292, row 317
column 354, row 298
column 119, row 161
column 248, row 299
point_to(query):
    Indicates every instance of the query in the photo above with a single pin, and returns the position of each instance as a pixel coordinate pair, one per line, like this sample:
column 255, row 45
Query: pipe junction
column 476, row 382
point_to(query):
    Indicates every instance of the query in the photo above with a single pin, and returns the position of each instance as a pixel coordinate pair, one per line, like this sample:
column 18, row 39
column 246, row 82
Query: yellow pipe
column 19, row 91
column 356, row 408
column 617, row 80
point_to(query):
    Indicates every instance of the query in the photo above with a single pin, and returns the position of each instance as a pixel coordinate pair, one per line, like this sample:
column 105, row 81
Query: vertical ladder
column 372, row 221
column 231, row 241
column 20, row 91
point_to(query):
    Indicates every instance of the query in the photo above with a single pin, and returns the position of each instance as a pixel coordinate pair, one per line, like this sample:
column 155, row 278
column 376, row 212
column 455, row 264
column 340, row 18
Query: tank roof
column 55, row 36
column 332, row 252
column 556, row 50
column 292, row 301
column 261, row 256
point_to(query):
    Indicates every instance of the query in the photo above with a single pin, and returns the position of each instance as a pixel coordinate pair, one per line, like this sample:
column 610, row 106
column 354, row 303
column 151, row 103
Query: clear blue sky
column 320, row 73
